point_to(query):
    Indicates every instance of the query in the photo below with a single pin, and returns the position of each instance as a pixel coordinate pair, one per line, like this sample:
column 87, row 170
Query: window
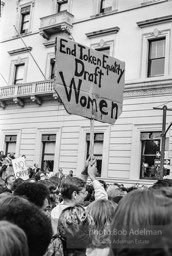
column 106, row 5
column 150, row 143
column 10, row 144
column 52, row 68
column 19, row 73
column 156, row 58
column 98, row 149
column 105, row 50
column 48, row 152
column 61, row 5
column 25, row 19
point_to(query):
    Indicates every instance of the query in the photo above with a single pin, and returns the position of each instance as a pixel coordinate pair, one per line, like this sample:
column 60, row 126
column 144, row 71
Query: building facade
column 33, row 121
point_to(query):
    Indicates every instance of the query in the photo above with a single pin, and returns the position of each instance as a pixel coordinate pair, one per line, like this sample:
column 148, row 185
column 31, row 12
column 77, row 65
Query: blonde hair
column 102, row 212
column 13, row 241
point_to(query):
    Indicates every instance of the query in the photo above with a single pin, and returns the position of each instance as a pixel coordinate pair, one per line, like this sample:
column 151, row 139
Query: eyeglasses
column 82, row 192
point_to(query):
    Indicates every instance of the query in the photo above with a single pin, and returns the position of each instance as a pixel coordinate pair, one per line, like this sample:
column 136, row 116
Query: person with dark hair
column 162, row 183
column 16, row 183
column 90, row 195
column 73, row 191
column 13, row 240
column 9, row 181
column 28, row 217
column 36, row 193
column 140, row 223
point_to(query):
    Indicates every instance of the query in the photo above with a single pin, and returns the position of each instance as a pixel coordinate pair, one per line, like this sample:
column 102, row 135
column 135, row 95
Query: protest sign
column 20, row 169
column 89, row 83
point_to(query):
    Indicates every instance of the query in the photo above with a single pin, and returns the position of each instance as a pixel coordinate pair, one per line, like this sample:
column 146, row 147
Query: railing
column 28, row 89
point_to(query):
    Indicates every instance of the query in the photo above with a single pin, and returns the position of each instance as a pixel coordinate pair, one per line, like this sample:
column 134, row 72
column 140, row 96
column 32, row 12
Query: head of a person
column 13, row 240
column 90, row 194
column 162, row 183
column 115, row 193
column 30, row 219
column 73, row 189
column 16, row 183
column 52, row 193
column 35, row 192
column 10, row 180
column 55, row 180
column 102, row 212
column 143, row 216
column 74, row 227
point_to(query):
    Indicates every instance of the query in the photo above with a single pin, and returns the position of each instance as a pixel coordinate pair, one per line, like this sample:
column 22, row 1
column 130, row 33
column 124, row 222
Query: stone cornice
column 148, row 89
column 155, row 21
column 108, row 31
column 20, row 50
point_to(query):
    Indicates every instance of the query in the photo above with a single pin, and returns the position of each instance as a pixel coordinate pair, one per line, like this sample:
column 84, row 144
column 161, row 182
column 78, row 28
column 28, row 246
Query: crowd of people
column 58, row 215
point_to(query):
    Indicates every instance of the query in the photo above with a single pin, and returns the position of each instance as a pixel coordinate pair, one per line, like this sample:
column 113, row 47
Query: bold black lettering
column 103, row 104
column 104, row 60
column 62, row 45
column 77, row 62
column 72, row 84
column 114, row 106
column 81, row 51
column 120, row 76
column 91, row 102
column 83, row 101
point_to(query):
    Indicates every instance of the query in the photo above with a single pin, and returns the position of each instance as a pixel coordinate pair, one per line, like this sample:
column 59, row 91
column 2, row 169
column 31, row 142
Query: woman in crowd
column 141, row 224
column 13, row 241
column 102, row 212
column 74, row 228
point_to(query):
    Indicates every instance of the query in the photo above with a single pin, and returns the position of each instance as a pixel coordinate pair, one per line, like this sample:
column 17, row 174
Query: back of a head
column 13, row 241
column 35, row 192
column 74, row 227
column 141, row 215
column 29, row 218
column 113, row 192
column 102, row 212
column 71, row 184
column 162, row 183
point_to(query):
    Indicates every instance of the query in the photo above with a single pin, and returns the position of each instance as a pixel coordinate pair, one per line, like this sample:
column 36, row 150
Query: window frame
column 155, row 58
column 151, row 34
column 19, row 17
column 96, row 139
column 14, row 63
column 11, row 140
column 97, row 6
column 60, row 3
column 50, row 140
column 38, row 149
column 106, row 9
column 149, row 138
column 11, row 132
column 23, row 22
column 16, row 71
column 52, row 68
column 82, row 147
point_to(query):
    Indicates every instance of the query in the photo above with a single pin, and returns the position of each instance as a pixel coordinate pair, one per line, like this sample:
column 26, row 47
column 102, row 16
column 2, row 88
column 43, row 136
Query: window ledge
column 20, row 50
column 108, row 31
column 156, row 21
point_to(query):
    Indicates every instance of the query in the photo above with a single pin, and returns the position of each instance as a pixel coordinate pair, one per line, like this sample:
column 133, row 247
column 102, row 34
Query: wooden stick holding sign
column 91, row 149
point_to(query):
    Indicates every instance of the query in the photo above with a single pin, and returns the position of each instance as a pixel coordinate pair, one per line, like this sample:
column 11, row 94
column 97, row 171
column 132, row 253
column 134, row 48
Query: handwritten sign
column 89, row 83
column 20, row 169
